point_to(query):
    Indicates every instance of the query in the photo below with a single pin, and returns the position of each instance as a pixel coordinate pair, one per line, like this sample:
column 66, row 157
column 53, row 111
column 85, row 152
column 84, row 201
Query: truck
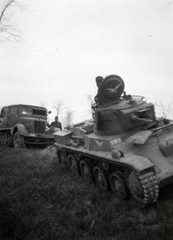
column 125, row 148
column 22, row 125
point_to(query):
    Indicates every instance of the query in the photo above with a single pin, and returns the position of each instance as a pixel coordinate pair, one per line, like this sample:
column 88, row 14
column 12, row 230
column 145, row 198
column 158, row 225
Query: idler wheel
column 73, row 163
column 118, row 185
column 101, row 178
column 86, row 170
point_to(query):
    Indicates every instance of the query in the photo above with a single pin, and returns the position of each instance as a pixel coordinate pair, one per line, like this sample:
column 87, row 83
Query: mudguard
column 21, row 129
column 137, row 162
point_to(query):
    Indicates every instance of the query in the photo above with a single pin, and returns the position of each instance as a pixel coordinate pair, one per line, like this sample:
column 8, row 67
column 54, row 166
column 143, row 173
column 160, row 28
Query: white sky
column 67, row 43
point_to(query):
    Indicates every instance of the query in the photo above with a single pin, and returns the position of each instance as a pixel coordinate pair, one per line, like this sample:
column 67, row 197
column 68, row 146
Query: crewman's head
column 99, row 79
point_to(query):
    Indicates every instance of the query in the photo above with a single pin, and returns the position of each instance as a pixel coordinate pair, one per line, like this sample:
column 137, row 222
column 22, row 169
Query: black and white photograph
column 86, row 119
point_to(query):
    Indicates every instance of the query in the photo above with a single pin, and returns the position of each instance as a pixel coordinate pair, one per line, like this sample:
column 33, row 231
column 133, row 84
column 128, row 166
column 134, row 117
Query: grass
column 40, row 200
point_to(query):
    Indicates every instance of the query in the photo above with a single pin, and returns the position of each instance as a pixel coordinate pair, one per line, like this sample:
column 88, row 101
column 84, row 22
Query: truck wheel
column 17, row 140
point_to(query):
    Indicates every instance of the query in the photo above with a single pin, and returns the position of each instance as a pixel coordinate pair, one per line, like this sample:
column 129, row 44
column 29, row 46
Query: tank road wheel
column 63, row 159
column 73, row 163
column 101, row 178
column 17, row 140
column 144, row 188
column 86, row 170
column 118, row 185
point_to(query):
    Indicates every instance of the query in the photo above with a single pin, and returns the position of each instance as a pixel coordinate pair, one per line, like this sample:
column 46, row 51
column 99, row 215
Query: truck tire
column 17, row 140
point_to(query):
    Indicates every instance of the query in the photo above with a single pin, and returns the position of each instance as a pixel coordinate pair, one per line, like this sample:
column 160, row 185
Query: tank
column 125, row 148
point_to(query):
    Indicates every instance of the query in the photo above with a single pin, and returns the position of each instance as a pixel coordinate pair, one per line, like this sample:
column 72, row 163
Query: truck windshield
column 32, row 111
column 41, row 112
column 25, row 111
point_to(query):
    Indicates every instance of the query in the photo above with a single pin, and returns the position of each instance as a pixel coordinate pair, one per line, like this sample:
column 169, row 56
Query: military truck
column 22, row 125
column 125, row 148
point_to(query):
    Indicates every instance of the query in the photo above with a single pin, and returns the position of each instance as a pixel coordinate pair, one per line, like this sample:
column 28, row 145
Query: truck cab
column 23, row 124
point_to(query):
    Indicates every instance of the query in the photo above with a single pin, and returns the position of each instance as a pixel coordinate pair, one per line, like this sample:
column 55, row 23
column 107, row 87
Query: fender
column 137, row 162
column 20, row 128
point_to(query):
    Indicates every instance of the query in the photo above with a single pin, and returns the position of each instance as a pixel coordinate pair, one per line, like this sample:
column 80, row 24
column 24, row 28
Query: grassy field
column 41, row 200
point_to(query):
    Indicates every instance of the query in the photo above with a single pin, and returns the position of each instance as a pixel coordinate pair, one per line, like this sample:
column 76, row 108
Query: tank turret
column 117, row 113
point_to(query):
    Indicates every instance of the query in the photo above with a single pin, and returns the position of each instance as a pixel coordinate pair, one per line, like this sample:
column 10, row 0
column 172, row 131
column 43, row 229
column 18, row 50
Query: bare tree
column 9, row 31
column 163, row 111
column 91, row 110
column 168, row 3
column 43, row 103
column 90, row 99
column 90, row 102
column 59, row 106
column 68, row 118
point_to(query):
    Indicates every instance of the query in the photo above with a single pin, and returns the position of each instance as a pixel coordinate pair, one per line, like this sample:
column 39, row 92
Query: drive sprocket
column 143, row 187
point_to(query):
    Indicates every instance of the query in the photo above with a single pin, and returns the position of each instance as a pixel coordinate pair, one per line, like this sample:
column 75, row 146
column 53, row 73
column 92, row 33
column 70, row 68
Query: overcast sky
column 67, row 43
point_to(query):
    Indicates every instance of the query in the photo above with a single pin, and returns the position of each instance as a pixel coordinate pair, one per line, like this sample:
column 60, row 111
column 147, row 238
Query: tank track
column 149, row 186
column 150, row 189
column 5, row 139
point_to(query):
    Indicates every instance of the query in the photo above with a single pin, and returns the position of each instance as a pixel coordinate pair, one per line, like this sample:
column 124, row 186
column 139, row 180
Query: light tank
column 124, row 148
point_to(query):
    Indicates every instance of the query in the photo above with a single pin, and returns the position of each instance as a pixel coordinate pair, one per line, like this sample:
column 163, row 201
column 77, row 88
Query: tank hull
column 138, row 156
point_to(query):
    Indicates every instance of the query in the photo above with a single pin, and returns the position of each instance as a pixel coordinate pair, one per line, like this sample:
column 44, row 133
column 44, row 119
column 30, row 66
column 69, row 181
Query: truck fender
column 20, row 128
column 137, row 162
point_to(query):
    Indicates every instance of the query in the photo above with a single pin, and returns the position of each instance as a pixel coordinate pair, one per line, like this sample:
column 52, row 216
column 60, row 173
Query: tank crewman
column 99, row 80
column 56, row 123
